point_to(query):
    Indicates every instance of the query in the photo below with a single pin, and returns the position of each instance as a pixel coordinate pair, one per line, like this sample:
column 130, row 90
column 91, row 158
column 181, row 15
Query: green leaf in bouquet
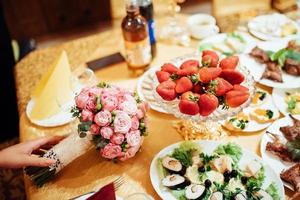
column 137, row 97
column 75, row 112
column 84, row 126
column 98, row 104
column 124, row 146
column 103, row 85
column 294, row 148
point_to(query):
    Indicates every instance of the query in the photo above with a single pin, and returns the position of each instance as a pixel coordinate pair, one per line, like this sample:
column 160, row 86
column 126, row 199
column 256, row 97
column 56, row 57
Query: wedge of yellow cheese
column 53, row 91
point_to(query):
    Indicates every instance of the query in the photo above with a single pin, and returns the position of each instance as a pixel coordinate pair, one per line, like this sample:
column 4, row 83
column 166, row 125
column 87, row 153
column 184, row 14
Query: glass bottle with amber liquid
column 136, row 39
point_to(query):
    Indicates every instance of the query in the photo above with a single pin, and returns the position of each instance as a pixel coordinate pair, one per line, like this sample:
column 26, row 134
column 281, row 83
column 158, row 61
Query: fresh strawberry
column 189, row 63
column 235, row 98
column 209, row 61
column 162, row 76
column 167, row 90
column 197, row 89
column 233, row 77
column 188, row 103
column 240, row 88
column 184, row 84
column 168, row 67
column 219, row 86
column 211, row 53
column 208, row 74
column 187, row 71
column 207, row 104
column 229, row 62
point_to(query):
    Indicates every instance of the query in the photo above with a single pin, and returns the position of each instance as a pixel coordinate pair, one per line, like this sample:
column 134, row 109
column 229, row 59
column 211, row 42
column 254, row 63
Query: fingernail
column 50, row 161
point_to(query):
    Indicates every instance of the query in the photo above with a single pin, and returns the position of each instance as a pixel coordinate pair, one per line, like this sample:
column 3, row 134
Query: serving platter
column 208, row 147
column 273, row 161
column 257, row 69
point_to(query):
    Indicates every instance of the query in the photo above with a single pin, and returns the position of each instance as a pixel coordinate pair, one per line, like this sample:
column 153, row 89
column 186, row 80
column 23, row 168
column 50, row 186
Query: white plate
column 84, row 197
column 220, row 38
column 272, row 20
column 145, row 90
column 208, row 147
column 279, row 99
column 254, row 126
column 257, row 69
column 275, row 162
column 61, row 118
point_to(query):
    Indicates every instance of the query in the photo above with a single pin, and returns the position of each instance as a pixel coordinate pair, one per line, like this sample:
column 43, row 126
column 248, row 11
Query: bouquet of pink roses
column 114, row 117
column 111, row 118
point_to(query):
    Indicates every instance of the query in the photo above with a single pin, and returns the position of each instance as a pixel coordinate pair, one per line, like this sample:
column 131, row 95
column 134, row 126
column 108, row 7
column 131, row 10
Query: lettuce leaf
column 162, row 172
column 231, row 149
column 253, row 183
column 272, row 190
column 179, row 194
column 185, row 152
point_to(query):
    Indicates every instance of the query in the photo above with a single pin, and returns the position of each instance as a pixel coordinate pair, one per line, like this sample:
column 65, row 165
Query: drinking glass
column 83, row 77
column 173, row 32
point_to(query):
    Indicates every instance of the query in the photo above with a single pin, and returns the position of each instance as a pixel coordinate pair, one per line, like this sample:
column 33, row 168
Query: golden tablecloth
column 90, row 171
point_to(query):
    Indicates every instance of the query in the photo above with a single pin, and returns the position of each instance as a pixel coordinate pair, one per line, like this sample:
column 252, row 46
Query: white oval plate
column 279, row 99
column 209, row 146
column 254, row 126
column 257, row 69
column 84, row 197
column 220, row 38
column 275, row 162
column 270, row 19
column 61, row 118
column 145, row 90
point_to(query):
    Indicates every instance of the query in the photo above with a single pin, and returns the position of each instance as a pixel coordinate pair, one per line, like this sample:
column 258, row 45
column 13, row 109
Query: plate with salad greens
column 287, row 100
column 275, row 63
column 228, row 43
column 211, row 170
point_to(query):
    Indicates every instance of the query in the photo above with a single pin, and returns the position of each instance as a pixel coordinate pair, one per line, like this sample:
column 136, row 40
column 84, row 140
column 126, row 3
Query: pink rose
column 94, row 129
column 94, row 91
column 109, row 102
column 122, row 122
column 86, row 115
column 112, row 91
column 106, row 132
column 134, row 123
column 81, row 99
column 144, row 107
column 129, row 107
column 111, row 151
column 140, row 114
column 117, row 138
column 130, row 153
column 133, row 138
column 91, row 104
column 103, row 118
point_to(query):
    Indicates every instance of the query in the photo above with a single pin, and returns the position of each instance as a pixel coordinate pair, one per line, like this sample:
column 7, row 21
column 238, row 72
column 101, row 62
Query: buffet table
column 89, row 171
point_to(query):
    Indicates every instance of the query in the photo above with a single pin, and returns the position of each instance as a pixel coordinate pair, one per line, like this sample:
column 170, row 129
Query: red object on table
column 105, row 193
